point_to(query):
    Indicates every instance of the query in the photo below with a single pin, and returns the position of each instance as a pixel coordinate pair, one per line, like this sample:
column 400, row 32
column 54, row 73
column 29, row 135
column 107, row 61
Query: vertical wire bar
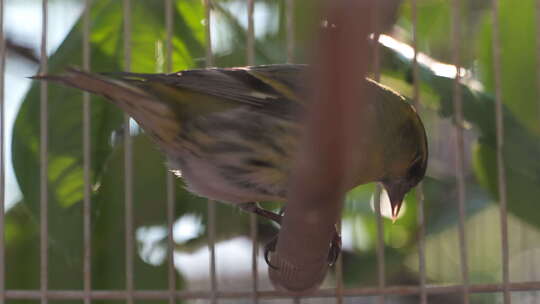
column 171, row 272
column 419, row 187
column 44, row 155
column 212, row 249
column 289, row 16
column 421, row 243
column 381, row 265
column 538, row 55
column 87, row 203
column 380, row 243
column 209, row 57
column 533, row 266
column 289, row 19
column 376, row 47
column 250, row 35
column 169, row 21
column 253, row 228
column 459, row 148
column 339, row 272
column 2, row 163
column 501, row 174
column 339, row 268
column 128, row 164
column 211, row 204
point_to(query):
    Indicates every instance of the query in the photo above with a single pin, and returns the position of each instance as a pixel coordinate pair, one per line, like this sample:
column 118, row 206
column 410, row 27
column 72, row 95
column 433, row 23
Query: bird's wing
column 259, row 86
column 143, row 107
column 173, row 99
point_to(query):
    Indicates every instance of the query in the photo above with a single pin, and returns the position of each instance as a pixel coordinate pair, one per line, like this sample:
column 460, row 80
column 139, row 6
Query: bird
column 232, row 133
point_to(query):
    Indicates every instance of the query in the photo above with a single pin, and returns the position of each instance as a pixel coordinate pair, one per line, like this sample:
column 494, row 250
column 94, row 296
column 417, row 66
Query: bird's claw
column 333, row 253
column 268, row 249
column 335, row 249
column 335, row 245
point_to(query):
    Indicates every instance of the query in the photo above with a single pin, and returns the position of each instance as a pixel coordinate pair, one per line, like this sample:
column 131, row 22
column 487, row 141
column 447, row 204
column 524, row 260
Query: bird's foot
column 335, row 245
column 268, row 249
column 333, row 252
column 335, row 248
column 256, row 209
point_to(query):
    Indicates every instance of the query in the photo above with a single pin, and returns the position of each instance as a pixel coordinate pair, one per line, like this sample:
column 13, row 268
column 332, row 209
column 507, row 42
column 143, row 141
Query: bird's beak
column 396, row 192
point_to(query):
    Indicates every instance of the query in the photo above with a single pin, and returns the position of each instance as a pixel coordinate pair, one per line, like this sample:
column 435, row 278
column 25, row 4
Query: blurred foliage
column 434, row 23
column 521, row 144
column 65, row 171
column 519, row 68
column 65, row 174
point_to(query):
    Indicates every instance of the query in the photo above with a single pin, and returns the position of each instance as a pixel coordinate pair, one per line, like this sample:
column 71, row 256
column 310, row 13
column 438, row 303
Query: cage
column 89, row 213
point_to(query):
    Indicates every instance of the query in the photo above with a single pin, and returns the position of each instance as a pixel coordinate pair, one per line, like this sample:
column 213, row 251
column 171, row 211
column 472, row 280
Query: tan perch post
column 328, row 146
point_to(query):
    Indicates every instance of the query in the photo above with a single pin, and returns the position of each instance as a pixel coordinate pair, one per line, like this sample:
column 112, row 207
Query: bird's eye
column 417, row 168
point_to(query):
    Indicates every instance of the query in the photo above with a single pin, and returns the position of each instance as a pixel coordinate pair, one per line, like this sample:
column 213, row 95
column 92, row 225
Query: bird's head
column 400, row 144
column 398, row 186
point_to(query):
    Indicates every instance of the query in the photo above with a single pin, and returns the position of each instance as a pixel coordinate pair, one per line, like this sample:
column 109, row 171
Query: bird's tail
column 153, row 115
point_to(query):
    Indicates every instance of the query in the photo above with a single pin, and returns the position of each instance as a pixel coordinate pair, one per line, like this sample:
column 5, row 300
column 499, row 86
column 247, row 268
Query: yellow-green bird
column 231, row 133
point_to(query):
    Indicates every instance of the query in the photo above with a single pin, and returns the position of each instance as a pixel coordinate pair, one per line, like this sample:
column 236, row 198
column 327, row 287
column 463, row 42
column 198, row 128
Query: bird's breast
column 237, row 156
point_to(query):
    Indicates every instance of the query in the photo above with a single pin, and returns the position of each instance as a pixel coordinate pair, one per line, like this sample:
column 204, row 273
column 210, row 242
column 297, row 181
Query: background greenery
column 65, row 175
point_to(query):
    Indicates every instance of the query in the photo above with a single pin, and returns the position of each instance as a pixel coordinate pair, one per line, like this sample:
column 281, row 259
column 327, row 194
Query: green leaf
column 65, row 124
column 518, row 65
column 521, row 146
column 22, row 248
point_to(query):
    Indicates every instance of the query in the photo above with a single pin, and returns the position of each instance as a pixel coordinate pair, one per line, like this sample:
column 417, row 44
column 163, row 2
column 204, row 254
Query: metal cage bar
column 533, row 267
column 250, row 34
column 87, row 202
column 339, row 272
column 128, row 165
column 538, row 53
column 419, row 187
column 130, row 294
column 211, row 204
column 212, row 249
column 289, row 15
column 501, row 173
column 170, row 182
column 253, row 228
column 459, row 148
column 381, row 262
column 44, row 155
column 381, row 278
column 267, row 294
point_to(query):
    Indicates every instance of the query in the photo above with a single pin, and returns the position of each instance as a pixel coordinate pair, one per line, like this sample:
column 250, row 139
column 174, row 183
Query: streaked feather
column 233, row 131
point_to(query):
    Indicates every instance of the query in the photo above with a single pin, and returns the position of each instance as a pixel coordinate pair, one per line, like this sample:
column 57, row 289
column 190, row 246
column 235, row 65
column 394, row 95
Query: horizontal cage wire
column 340, row 292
